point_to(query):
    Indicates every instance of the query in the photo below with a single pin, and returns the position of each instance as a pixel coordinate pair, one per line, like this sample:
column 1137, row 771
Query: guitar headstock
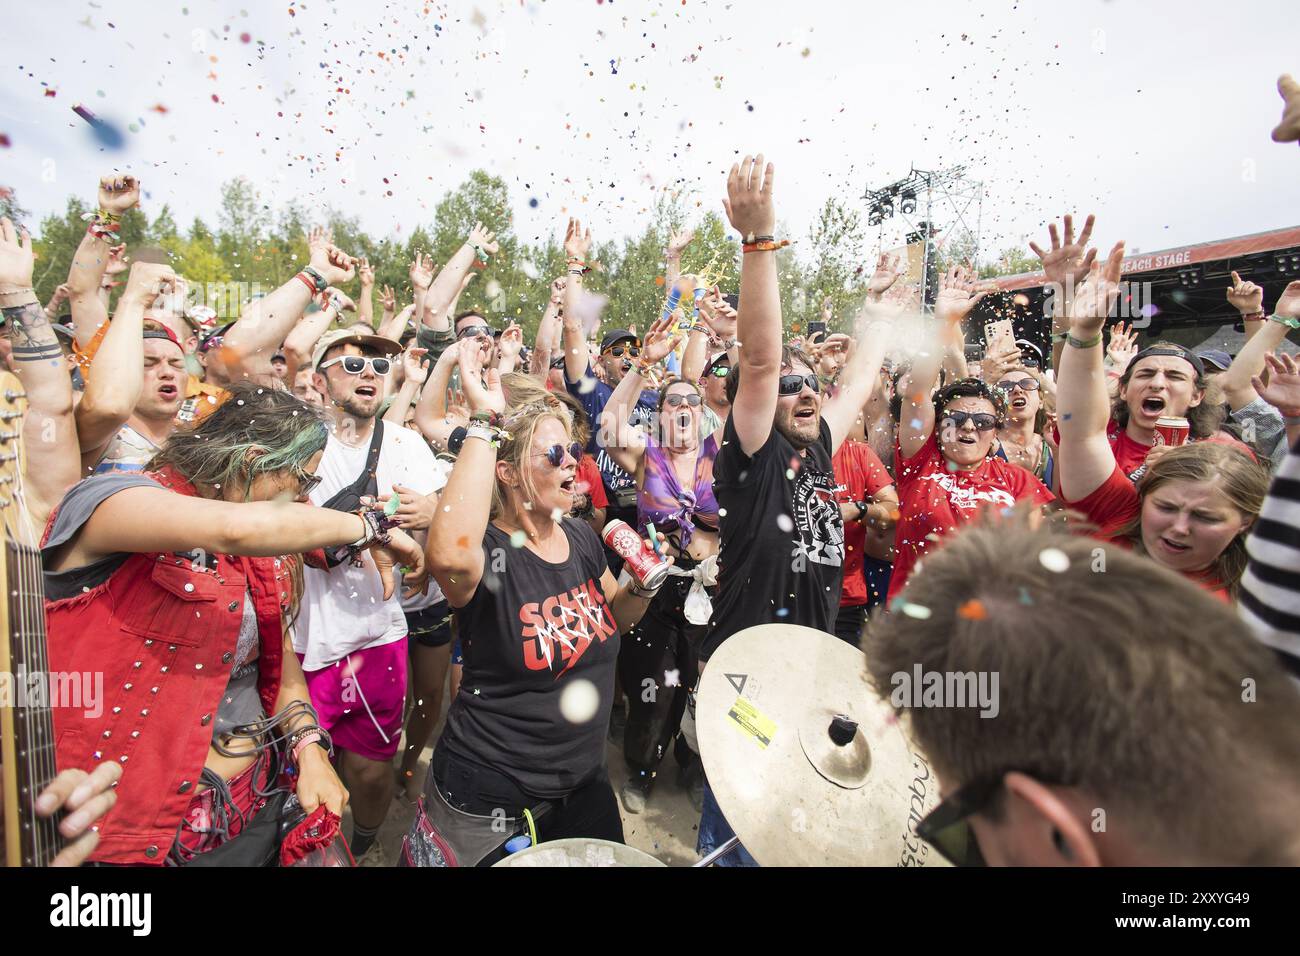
column 13, row 406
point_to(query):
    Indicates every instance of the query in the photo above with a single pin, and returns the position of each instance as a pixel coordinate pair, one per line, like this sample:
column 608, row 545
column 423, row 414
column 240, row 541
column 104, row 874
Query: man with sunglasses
column 782, row 534
column 1122, row 735
column 353, row 642
column 714, row 386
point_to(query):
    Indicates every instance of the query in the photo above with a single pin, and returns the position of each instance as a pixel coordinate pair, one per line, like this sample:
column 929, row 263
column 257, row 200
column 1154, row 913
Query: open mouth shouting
column 168, row 392
column 366, row 391
column 1173, row 548
column 569, row 485
column 1154, row 406
column 1019, row 401
column 805, row 413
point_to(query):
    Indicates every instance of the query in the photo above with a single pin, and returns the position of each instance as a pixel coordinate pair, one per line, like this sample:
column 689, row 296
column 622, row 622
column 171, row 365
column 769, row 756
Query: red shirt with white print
column 859, row 473
column 934, row 500
column 588, row 482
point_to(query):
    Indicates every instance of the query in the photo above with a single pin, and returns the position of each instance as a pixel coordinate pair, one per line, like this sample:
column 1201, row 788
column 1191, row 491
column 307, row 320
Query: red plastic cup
column 1172, row 431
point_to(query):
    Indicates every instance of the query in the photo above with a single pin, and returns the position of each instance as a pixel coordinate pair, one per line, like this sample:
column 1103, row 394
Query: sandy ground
column 665, row 830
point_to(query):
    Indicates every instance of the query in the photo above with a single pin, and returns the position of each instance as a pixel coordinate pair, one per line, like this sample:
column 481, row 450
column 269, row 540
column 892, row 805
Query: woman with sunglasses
column 1020, row 438
column 187, row 612
column 539, row 615
column 946, row 463
column 1192, row 506
column 673, row 468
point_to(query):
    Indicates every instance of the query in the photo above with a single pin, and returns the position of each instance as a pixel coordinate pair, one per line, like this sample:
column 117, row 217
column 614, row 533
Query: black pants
column 661, row 642
column 848, row 623
column 590, row 810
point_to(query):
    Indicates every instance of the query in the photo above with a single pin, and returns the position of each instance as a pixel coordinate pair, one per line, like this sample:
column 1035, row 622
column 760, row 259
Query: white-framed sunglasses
column 354, row 364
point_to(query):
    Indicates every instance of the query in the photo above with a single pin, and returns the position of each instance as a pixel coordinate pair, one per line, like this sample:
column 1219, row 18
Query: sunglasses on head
column 793, row 384
column 1024, row 384
column 618, row 350
column 355, row 364
column 556, row 453
column 673, row 401
column 474, row 331
column 982, row 421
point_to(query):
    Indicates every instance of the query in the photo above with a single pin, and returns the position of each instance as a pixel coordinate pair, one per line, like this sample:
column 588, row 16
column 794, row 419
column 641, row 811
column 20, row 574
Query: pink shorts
column 361, row 699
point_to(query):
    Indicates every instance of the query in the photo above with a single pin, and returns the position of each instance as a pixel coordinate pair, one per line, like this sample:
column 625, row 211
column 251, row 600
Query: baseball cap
column 1216, row 357
column 614, row 336
column 716, row 359
column 343, row 337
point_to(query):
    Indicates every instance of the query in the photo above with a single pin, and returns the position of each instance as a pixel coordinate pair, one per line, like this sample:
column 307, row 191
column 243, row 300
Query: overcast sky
column 1155, row 115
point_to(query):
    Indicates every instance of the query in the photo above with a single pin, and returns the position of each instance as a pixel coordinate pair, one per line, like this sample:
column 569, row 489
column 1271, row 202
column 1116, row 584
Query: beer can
column 645, row 565
column 1172, row 431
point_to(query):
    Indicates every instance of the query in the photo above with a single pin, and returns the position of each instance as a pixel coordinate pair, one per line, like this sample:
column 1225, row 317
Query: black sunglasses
column 673, row 401
column 983, row 421
column 793, row 384
column 555, row 454
column 617, row 351
column 1024, row 384
column 306, row 483
column 474, row 331
column 557, row 362
column 947, row 827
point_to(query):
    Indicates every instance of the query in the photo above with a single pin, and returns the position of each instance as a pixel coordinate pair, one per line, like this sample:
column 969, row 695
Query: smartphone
column 999, row 336
column 816, row 328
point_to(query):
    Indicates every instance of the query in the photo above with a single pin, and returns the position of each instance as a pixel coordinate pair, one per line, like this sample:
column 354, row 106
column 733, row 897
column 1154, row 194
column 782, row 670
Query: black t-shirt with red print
column 529, row 631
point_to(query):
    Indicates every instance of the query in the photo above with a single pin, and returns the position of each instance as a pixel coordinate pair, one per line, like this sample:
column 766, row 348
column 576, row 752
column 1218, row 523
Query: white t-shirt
column 343, row 609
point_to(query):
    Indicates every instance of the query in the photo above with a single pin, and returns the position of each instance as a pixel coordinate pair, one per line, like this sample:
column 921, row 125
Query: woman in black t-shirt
column 540, row 614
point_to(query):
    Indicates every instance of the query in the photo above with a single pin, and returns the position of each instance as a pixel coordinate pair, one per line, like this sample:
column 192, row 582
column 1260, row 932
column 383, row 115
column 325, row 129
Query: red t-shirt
column 934, row 500
column 859, row 473
column 589, row 475
column 1113, row 505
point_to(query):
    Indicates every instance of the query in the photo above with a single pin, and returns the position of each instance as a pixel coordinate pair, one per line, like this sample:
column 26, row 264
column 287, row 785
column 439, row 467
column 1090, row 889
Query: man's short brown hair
column 1116, row 677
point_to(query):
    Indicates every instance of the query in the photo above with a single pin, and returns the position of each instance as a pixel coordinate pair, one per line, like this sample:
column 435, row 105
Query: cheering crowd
column 287, row 539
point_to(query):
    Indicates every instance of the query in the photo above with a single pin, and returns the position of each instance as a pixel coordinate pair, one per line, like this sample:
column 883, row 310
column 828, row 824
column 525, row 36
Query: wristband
column 1289, row 323
column 1074, row 343
column 1059, row 336
column 764, row 245
column 1256, row 316
column 493, row 436
column 635, row 587
column 311, row 737
column 319, row 284
column 487, row 416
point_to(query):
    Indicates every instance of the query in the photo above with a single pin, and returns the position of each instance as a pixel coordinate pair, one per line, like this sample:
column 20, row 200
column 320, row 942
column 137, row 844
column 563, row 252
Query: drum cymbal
column 808, row 765
column 580, row 852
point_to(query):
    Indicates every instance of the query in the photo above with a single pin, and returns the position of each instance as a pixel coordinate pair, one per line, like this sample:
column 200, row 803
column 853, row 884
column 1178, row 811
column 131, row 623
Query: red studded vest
column 163, row 631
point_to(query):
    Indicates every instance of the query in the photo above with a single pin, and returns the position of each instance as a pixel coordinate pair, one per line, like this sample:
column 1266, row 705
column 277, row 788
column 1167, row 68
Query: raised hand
column 1288, row 303
column 749, row 198
column 678, row 241
column 421, row 272
column 60, row 296
column 660, row 339
column 117, row 194
column 959, row 292
column 888, row 271
column 413, row 364
column 147, row 281
column 339, row 300
column 718, row 315
column 557, row 291
column 1246, row 297
column 1123, row 345
column 117, row 260
column 576, row 242
column 997, row 364
column 1288, row 129
column 388, row 300
column 1094, row 299
column 16, row 259
column 481, row 397
column 1065, row 262
column 365, row 273
column 485, row 240
column 511, row 341
column 328, row 259
column 1282, row 389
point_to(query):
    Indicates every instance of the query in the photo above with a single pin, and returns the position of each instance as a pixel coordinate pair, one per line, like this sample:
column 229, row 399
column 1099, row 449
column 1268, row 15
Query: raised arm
column 576, row 244
column 509, row 346
column 859, row 377
column 116, row 375
column 1082, row 399
column 626, row 443
column 719, row 323
column 751, row 212
column 1282, row 391
column 416, row 372
column 117, row 194
column 49, row 437
column 302, row 338
column 1249, row 363
column 366, row 303
column 455, row 543
column 677, row 243
column 431, row 416
column 548, row 330
column 480, row 245
column 266, row 322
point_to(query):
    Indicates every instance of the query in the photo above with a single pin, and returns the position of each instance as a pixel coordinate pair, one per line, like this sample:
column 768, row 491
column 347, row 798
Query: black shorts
column 431, row 626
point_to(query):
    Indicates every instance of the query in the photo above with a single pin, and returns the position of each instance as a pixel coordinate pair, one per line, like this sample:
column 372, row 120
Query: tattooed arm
column 51, row 463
